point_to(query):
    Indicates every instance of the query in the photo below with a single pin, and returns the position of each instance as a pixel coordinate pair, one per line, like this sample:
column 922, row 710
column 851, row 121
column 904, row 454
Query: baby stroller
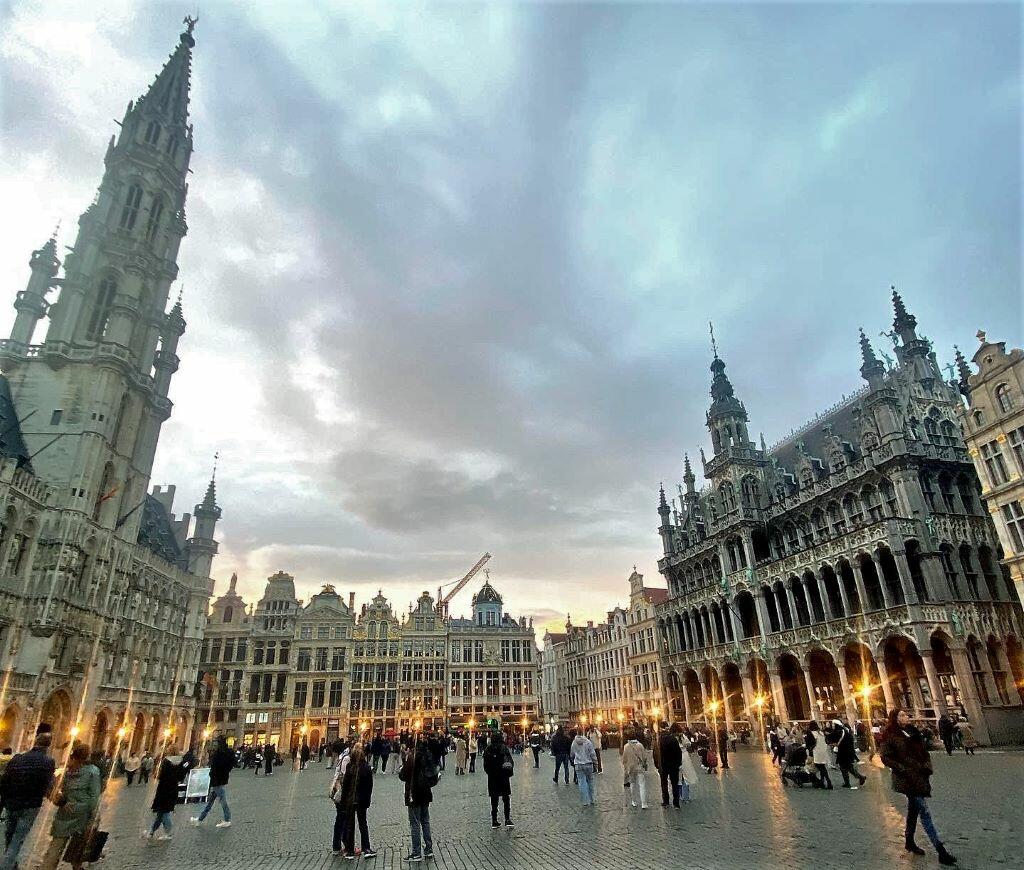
column 795, row 769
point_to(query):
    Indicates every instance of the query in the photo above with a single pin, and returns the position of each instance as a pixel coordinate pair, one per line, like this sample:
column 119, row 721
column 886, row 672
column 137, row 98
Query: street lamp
column 75, row 731
column 759, row 703
column 865, row 696
column 122, row 732
column 622, row 718
column 713, row 707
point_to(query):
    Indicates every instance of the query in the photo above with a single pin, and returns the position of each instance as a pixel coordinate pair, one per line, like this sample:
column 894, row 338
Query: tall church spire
column 110, row 349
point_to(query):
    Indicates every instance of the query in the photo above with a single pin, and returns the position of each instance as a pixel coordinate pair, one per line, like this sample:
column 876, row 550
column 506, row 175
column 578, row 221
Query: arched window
column 156, row 211
column 101, row 309
column 172, row 147
column 931, row 426
column 1003, row 398
column 751, row 492
column 152, row 133
column 130, row 212
column 979, row 419
column 728, row 497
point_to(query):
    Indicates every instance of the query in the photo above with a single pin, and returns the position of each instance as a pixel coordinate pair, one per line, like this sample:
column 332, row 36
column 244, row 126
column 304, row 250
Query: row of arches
column 856, row 683
column 107, row 729
column 867, row 582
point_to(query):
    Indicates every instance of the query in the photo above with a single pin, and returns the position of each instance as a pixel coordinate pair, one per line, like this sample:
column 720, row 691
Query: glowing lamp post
column 75, row 731
column 622, row 719
column 865, row 695
column 759, row 703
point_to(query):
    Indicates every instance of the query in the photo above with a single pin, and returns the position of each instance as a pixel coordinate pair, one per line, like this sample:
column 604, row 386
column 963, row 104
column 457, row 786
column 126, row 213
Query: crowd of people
column 805, row 755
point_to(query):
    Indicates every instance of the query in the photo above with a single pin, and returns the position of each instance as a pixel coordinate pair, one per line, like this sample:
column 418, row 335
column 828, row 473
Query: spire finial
column 980, row 334
column 714, row 344
column 190, row 22
column 56, row 230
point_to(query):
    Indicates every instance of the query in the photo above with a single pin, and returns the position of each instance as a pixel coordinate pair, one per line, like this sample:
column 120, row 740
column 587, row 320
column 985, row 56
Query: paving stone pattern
column 741, row 818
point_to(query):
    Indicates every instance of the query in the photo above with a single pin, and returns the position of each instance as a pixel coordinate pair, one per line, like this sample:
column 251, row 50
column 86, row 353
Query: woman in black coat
column 172, row 773
column 353, row 800
column 498, row 766
column 905, row 752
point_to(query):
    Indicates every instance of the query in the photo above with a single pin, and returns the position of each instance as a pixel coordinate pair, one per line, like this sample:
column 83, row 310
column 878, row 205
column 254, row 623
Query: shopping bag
column 94, row 848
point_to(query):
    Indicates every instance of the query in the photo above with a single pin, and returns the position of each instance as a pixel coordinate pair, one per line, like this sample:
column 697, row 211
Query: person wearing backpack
column 420, row 775
column 498, row 766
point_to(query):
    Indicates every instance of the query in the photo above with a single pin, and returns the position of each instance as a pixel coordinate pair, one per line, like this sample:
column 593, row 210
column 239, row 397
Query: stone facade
column 423, row 682
column 649, row 698
column 103, row 591
column 493, row 665
column 849, row 569
column 993, row 425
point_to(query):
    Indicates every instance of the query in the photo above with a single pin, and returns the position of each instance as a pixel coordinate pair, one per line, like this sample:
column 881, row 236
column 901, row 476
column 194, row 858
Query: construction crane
column 442, row 602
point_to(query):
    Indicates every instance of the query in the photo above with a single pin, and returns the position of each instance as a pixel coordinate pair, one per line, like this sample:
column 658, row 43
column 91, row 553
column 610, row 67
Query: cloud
column 449, row 269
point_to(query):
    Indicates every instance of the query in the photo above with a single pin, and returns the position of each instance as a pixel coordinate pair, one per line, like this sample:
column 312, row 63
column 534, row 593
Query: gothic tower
column 93, row 393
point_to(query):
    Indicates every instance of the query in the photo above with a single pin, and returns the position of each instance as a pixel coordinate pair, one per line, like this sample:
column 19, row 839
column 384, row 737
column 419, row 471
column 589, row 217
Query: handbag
column 94, row 848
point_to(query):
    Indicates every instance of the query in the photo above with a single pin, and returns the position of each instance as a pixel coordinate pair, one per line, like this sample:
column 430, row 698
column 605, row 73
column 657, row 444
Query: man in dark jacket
column 419, row 773
column 670, row 757
column 946, row 731
column 498, row 766
column 560, row 744
column 222, row 762
column 26, row 780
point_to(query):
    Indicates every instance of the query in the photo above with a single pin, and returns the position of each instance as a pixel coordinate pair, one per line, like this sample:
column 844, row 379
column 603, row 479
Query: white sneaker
column 162, row 836
column 196, row 821
column 223, row 824
column 632, row 804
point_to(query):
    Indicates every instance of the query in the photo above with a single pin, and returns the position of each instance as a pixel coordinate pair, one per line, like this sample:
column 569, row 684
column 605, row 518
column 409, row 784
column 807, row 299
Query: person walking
column 814, row 740
column 26, row 780
column 903, row 751
column 145, row 768
column 352, row 797
column 461, row 755
column 385, row 752
column 846, row 755
column 535, row 747
column 77, row 801
column 132, row 764
column 420, row 775
column 967, row 738
column 169, row 777
column 222, row 762
column 473, row 746
column 946, row 730
column 634, row 768
column 499, row 767
column 303, row 755
column 584, row 763
column 560, row 745
column 594, row 736
column 687, row 771
column 269, row 759
column 670, row 758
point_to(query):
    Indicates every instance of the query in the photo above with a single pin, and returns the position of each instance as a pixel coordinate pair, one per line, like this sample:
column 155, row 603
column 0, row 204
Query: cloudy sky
column 450, row 267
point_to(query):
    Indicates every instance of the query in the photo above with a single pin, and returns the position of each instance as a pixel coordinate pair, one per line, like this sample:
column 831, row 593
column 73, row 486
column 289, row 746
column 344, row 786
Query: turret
column 913, row 350
column 665, row 529
column 31, row 303
column 166, row 361
column 964, row 371
column 689, row 478
column 727, row 417
column 201, row 546
column 871, row 368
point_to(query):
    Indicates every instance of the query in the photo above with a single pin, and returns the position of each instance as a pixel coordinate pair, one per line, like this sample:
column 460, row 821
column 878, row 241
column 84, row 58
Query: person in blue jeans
column 904, row 751
column 584, row 759
column 419, row 774
column 26, row 780
column 222, row 762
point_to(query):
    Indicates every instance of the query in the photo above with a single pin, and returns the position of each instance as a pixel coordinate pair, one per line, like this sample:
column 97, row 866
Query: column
column 969, row 693
column 826, row 604
column 748, row 703
column 780, row 599
column 748, row 548
column 703, row 700
column 778, row 697
column 763, row 623
column 727, row 708
column 858, row 580
column 883, row 675
column 934, row 684
column 842, row 595
column 812, row 705
column 886, row 596
column 737, row 630
column 906, row 579
column 792, row 603
column 686, row 704
column 848, row 701
column 709, row 634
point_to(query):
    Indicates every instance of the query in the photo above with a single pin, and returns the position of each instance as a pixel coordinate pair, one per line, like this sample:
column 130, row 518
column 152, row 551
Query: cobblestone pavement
column 741, row 818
